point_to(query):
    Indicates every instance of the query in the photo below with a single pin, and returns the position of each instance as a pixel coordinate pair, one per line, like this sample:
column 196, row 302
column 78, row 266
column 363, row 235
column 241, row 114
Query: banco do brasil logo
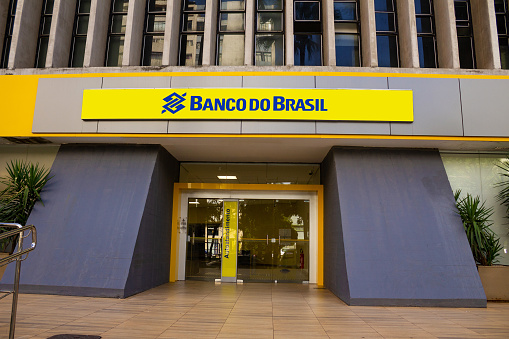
column 174, row 103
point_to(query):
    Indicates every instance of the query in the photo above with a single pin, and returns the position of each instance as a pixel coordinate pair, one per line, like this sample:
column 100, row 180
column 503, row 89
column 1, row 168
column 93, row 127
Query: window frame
column 466, row 23
column 9, row 27
column 44, row 17
column 111, row 34
column 394, row 33
column 433, row 33
column 146, row 33
column 357, row 21
column 260, row 33
column 505, row 15
column 75, row 33
column 184, row 33
column 221, row 32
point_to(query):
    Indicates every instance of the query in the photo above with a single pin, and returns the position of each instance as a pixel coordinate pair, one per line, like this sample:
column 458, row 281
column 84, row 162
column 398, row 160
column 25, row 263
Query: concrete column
column 329, row 37
column 97, row 34
column 289, row 32
column 407, row 31
column 249, row 32
column 209, row 36
column 25, row 34
column 368, row 34
column 484, row 24
column 171, row 33
column 134, row 33
column 4, row 9
column 62, row 23
column 447, row 39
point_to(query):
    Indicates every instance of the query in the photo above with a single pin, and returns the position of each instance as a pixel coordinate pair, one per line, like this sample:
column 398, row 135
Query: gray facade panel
column 206, row 82
column 332, row 127
column 351, row 82
column 114, row 126
column 228, row 127
column 94, row 212
column 278, row 127
column 393, row 202
column 437, row 107
column 484, row 104
column 279, row 81
column 136, row 82
column 58, row 105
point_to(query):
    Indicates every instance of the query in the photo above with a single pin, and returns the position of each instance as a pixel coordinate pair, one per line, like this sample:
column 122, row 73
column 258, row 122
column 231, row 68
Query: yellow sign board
column 229, row 253
column 248, row 104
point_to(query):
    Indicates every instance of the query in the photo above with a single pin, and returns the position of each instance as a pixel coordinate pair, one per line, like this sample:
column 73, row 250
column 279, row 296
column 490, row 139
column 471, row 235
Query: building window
column 153, row 35
column 44, row 30
column 503, row 32
column 269, row 37
column 192, row 26
column 116, row 33
column 79, row 34
column 347, row 32
column 230, row 44
column 386, row 33
column 307, row 28
column 465, row 34
column 426, row 36
column 8, row 33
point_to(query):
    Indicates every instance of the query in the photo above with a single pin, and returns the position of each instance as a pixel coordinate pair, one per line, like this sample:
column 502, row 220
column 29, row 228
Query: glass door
column 273, row 240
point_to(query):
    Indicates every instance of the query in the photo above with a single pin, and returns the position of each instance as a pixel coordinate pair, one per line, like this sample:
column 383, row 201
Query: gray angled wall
column 391, row 234
column 104, row 229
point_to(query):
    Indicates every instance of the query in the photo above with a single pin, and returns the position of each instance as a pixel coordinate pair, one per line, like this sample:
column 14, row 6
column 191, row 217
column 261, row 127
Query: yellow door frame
column 179, row 188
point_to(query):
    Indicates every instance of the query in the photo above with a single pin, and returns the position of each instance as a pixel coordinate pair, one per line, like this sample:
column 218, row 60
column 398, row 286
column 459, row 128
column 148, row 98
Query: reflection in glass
column 466, row 52
column 42, row 52
column 194, row 5
column 387, row 46
column 307, row 50
column 385, row 22
column 204, row 232
column 345, row 11
column 120, row 5
column 46, row 25
column 268, row 21
column 427, row 52
column 306, row 11
column 347, row 50
column 191, row 45
column 156, row 23
column 157, row 5
column 84, row 6
column 118, row 23
column 424, row 25
column 115, row 51
column 232, row 5
column 153, row 50
column 270, row 4
column 232, row 22
column 423, row 7
column 383, row 5
column 82, row 25
column 273, row 240
column 78, row 51
column 194, row 22
column 231, row 50
column 504, row 52
column 269, row 50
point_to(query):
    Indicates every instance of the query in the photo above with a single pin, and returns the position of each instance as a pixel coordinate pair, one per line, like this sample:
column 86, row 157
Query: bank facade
column 278, row 141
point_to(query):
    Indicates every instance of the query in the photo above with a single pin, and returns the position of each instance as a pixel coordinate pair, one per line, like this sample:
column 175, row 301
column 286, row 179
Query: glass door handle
column 279, row 239
column 267, row 239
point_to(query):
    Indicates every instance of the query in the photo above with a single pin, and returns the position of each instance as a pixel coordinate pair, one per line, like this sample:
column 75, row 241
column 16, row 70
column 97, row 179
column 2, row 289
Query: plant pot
column 495, row 280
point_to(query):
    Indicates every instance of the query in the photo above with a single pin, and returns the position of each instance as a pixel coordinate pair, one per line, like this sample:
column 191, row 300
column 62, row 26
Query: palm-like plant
column 503, row 195
column 476, row 218
column 23, row 185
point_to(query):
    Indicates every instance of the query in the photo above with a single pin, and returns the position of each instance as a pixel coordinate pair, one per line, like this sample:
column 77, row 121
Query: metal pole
column 16, row 289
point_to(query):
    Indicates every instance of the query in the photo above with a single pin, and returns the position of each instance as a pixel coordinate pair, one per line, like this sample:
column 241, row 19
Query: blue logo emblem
column 173, row 103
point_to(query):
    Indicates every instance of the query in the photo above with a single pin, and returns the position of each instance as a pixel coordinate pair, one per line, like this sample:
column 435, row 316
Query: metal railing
column 19, row 254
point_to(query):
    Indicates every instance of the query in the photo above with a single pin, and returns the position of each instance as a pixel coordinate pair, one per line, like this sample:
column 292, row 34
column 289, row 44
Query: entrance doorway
column 273, row 240
column 278, row 232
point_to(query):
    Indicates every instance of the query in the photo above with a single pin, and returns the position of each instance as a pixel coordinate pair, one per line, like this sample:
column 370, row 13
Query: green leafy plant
column 484, row 243
column 23, row 185
column 503, row 195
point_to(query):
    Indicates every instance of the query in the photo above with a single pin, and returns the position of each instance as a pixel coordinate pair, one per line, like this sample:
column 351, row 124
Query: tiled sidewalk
column 194, row 309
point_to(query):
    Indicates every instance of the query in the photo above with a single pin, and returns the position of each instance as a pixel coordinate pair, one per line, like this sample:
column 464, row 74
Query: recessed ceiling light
column 227, row 177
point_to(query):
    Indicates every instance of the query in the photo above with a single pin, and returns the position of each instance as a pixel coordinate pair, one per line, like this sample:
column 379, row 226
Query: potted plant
column 484, row 243
column 22, row 188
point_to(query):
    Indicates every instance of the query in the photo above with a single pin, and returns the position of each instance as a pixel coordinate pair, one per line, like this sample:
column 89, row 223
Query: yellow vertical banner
column 229, row 255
